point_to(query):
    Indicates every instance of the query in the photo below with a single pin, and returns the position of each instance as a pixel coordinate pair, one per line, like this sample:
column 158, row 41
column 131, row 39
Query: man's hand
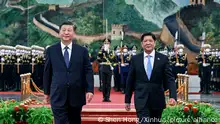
column 127, row 106
column 89, row 96
column 172, row 101
column 46, row 99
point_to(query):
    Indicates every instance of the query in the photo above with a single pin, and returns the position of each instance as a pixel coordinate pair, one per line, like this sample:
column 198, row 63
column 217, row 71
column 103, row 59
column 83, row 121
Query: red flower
column 16, row 108
column 22, row 105
column 25, row 107
column 186, row 109
column 189, row 105
column 13, row 100
column 194, row 109
column 195, row 102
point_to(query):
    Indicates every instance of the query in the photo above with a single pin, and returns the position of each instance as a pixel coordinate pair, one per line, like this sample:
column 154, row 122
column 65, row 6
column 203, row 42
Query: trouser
column 100, row 79
column 206, row 78
column 124, row 76
column 67, row 114
column 147, row 115
column 7, row 78
column 117, row 80
column 106, row 80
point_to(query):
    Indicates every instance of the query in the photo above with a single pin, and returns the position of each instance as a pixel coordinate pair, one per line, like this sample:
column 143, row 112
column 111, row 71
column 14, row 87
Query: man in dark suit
column 68, row 77
column 149, row 76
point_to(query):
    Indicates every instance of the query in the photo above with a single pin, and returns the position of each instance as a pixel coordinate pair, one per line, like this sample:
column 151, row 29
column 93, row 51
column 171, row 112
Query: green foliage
column 40, row 115
column 13, row 111
column 89, row 24
column 8, row 17
column 6, row 109
column 184, row 114
column 38, row 37
column 208, row 23
column 15, row 29
column 204, row 24
column 118, row 12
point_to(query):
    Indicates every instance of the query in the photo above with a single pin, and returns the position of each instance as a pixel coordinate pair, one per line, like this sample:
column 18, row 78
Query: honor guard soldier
column 24, row 59
column 179, row 61
column 1, row 82
column 38, row 61
column 125, row 62
column 200, row 61
column 216, row 70
column 207, row 62
column 107, row 58
column 8, row 59
column 133, row 50
column 23, row 63
column 117, row 77
column 164, row 50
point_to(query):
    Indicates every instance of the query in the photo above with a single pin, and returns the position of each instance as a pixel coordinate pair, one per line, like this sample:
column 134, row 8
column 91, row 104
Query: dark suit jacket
column 150, row 92
column 67, row 84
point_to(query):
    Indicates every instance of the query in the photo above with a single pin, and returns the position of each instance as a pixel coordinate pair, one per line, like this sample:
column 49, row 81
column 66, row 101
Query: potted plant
column 190, row 113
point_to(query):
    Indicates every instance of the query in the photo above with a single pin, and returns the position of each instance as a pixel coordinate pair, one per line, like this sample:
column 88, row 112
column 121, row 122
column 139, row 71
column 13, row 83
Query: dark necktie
column 66, row 56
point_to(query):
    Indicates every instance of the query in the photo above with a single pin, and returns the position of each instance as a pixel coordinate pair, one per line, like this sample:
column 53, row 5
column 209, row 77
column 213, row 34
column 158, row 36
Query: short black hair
column 68, row 23
column 108, row 40
column 148, row 34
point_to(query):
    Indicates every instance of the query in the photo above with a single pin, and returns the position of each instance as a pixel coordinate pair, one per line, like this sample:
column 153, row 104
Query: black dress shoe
column 106, row 100
column 123, row 92
column 207, row 92
column 116, row 89
column 100, row 89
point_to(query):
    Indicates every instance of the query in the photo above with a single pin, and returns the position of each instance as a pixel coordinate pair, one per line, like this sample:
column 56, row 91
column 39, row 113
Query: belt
column 126, row 64
column 180, row 64
column 206, row 64
column 105, row 63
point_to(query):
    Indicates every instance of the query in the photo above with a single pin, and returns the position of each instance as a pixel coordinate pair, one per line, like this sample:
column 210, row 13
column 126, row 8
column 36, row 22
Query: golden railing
column 183, row 87
column 26, row 91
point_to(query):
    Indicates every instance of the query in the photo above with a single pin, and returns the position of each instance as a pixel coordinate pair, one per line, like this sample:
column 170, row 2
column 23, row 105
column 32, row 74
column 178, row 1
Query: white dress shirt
column 69, row 50
column 152, row 54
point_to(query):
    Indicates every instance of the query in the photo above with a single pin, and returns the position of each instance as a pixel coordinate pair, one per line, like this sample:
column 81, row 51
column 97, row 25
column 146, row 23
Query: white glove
column 122, row 65
column 177, row 64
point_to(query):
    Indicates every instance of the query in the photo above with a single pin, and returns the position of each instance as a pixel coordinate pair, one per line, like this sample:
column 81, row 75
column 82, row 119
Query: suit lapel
column 156, row 61
column 142, row 66
column 60, row 54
